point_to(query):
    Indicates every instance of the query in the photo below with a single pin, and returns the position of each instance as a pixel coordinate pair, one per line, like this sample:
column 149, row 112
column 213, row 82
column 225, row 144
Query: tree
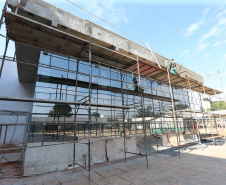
column 214, row 105
column 147, row 112
column 96, row 115
column 61, row 110
column 206, row 99
column 181, row 106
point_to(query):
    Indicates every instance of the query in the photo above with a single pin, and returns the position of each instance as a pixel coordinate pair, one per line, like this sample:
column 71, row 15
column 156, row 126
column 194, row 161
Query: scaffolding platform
column 24, row 30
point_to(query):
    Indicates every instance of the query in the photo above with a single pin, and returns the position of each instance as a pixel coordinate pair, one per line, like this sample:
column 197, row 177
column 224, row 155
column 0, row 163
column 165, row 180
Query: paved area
column 195, row 167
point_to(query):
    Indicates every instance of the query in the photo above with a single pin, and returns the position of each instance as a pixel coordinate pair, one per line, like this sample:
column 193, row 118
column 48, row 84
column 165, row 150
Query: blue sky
column 192, row 32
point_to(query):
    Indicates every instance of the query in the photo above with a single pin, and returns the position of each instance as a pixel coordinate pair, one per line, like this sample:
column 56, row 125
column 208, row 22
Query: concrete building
column 68, row 98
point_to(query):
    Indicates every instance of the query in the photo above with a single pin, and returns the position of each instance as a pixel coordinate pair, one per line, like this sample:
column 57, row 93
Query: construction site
column 79, row 99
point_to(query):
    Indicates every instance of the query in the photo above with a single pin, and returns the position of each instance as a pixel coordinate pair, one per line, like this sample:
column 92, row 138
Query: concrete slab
column 26, row 72
column 99, row 152
column 151, row 144
column 55, row 157
column 165, row 141
column 115, row 148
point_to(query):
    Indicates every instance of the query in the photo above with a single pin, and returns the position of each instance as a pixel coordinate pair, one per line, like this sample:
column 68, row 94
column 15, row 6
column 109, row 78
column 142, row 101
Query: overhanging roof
column 30, row 32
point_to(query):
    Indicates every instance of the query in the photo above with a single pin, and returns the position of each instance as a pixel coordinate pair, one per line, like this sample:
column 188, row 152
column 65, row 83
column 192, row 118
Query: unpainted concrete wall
column 26, row 72
column 43, row 159
column 57, row 156
column 40, row 159
column 151, row 144
column 115, row 148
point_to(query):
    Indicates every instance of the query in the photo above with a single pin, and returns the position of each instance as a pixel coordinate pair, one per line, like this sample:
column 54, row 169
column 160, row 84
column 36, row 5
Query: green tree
column 206, row 99
column 214, row 105
column 96, row 115
column 61, row 110
column 181, row 106
column 147, row 112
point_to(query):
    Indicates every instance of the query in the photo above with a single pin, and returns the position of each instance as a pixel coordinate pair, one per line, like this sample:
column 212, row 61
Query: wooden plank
column 154, row 73
column 152, row 70
column 148, row 71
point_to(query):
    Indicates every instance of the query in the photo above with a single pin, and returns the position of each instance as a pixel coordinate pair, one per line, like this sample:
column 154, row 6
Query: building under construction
column 76, row 94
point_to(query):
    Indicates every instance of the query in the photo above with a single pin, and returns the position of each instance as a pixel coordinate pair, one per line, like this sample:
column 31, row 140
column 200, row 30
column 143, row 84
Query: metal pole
column 0, row 133
column 75, row 125
column 17, row 6
column 218, row 108
column 192, row 98
column 221, row 120
column 178, row 130
column 144, row 124
column 153, row 55
column 5, row 134
column 3, row 13
column 123, row 113
column 174, row 115
column 200, row 98
column 111, row 102
column 208, row 116
column 134, row 113
column 138, row 68
column 3, row 59
column 219, row 111
column 90, row 82
column 142, row 106
column 153, row 105
column 222, row 86
column 43, row 134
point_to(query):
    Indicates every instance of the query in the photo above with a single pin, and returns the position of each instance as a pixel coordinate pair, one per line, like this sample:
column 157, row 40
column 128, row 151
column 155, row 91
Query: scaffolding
column 104, row 106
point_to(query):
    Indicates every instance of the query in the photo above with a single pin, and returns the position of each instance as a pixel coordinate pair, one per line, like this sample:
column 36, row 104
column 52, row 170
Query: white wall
column 10, row 86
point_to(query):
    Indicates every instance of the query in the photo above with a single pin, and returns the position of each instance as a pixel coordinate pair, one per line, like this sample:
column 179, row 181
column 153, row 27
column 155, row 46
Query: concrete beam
column 27, row 73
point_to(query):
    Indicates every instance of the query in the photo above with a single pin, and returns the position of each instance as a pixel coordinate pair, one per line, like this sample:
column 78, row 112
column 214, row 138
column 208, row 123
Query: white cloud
column 219, row 43
column 107, row 10
column 213, row 31
column 206, row 56
column 224, row 57
column 192, row 28
column 196, row 26
column 185, row 52
column 222, row 13
column 203, row 46
column 222, row 21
